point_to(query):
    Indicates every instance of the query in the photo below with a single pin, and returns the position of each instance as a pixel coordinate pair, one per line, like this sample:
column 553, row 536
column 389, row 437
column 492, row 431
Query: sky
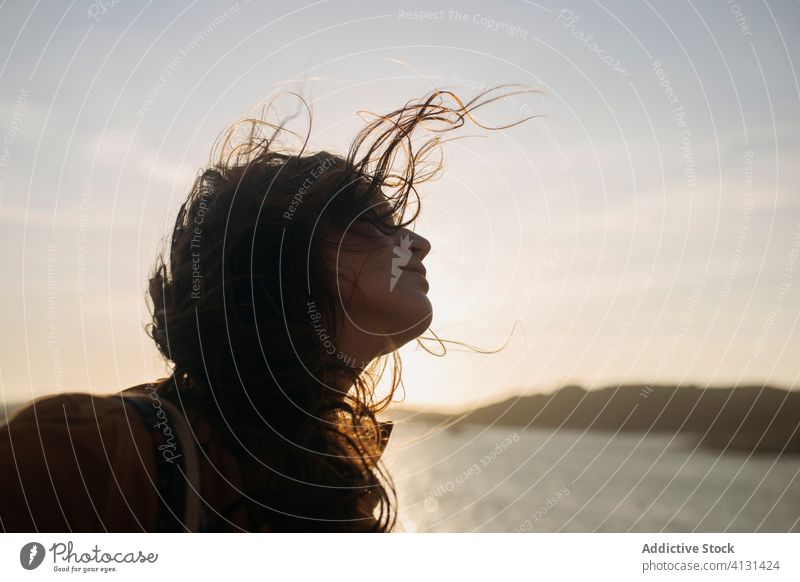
column 643, row 228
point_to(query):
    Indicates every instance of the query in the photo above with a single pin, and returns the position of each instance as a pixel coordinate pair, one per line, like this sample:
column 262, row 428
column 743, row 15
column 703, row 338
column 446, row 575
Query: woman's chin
column 418, row 323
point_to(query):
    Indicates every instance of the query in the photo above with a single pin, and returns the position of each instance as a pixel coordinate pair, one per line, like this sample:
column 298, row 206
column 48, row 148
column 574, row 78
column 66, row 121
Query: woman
column 288, row 278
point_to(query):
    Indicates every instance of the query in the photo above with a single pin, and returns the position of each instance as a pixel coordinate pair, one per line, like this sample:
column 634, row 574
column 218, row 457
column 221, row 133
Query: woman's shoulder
column 77, row 406
column 79, row 462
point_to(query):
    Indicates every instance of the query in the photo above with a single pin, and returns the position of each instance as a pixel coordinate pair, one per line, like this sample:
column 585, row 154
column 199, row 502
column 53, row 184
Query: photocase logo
column 31, row 555
column 402, row 254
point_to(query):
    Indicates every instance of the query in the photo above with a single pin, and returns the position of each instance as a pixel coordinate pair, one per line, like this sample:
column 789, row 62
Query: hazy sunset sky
column 646, row 229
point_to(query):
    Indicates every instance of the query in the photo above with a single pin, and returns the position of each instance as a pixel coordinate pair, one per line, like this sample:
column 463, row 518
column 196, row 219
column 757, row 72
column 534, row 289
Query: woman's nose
column 420, row 246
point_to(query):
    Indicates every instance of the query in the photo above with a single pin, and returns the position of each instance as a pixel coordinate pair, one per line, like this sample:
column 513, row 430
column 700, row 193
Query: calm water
column 502, row 480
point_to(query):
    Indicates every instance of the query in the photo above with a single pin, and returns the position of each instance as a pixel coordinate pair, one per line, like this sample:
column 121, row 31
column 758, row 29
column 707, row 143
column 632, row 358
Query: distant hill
column 747, row 418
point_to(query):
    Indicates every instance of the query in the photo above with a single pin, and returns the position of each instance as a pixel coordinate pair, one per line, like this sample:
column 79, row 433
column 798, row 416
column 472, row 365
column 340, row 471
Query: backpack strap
column 176, row 464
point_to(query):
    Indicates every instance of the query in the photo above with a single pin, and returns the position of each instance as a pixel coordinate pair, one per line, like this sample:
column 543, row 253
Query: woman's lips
column 416, row 269
column 419, row 269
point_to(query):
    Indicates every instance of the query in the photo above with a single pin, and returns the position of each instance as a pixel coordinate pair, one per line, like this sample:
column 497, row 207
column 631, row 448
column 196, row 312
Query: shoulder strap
column 176, row 463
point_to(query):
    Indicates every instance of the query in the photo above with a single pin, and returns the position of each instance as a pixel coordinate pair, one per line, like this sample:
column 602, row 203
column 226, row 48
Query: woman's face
column 382, row 288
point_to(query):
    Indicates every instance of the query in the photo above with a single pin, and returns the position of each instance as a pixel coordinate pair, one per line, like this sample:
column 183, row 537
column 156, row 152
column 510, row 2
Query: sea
column 478, row 478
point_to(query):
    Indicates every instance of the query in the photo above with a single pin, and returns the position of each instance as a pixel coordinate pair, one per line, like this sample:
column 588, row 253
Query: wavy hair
column 231, row 295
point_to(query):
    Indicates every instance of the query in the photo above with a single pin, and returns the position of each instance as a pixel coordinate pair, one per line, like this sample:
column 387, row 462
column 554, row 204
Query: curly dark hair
column 230, row 298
